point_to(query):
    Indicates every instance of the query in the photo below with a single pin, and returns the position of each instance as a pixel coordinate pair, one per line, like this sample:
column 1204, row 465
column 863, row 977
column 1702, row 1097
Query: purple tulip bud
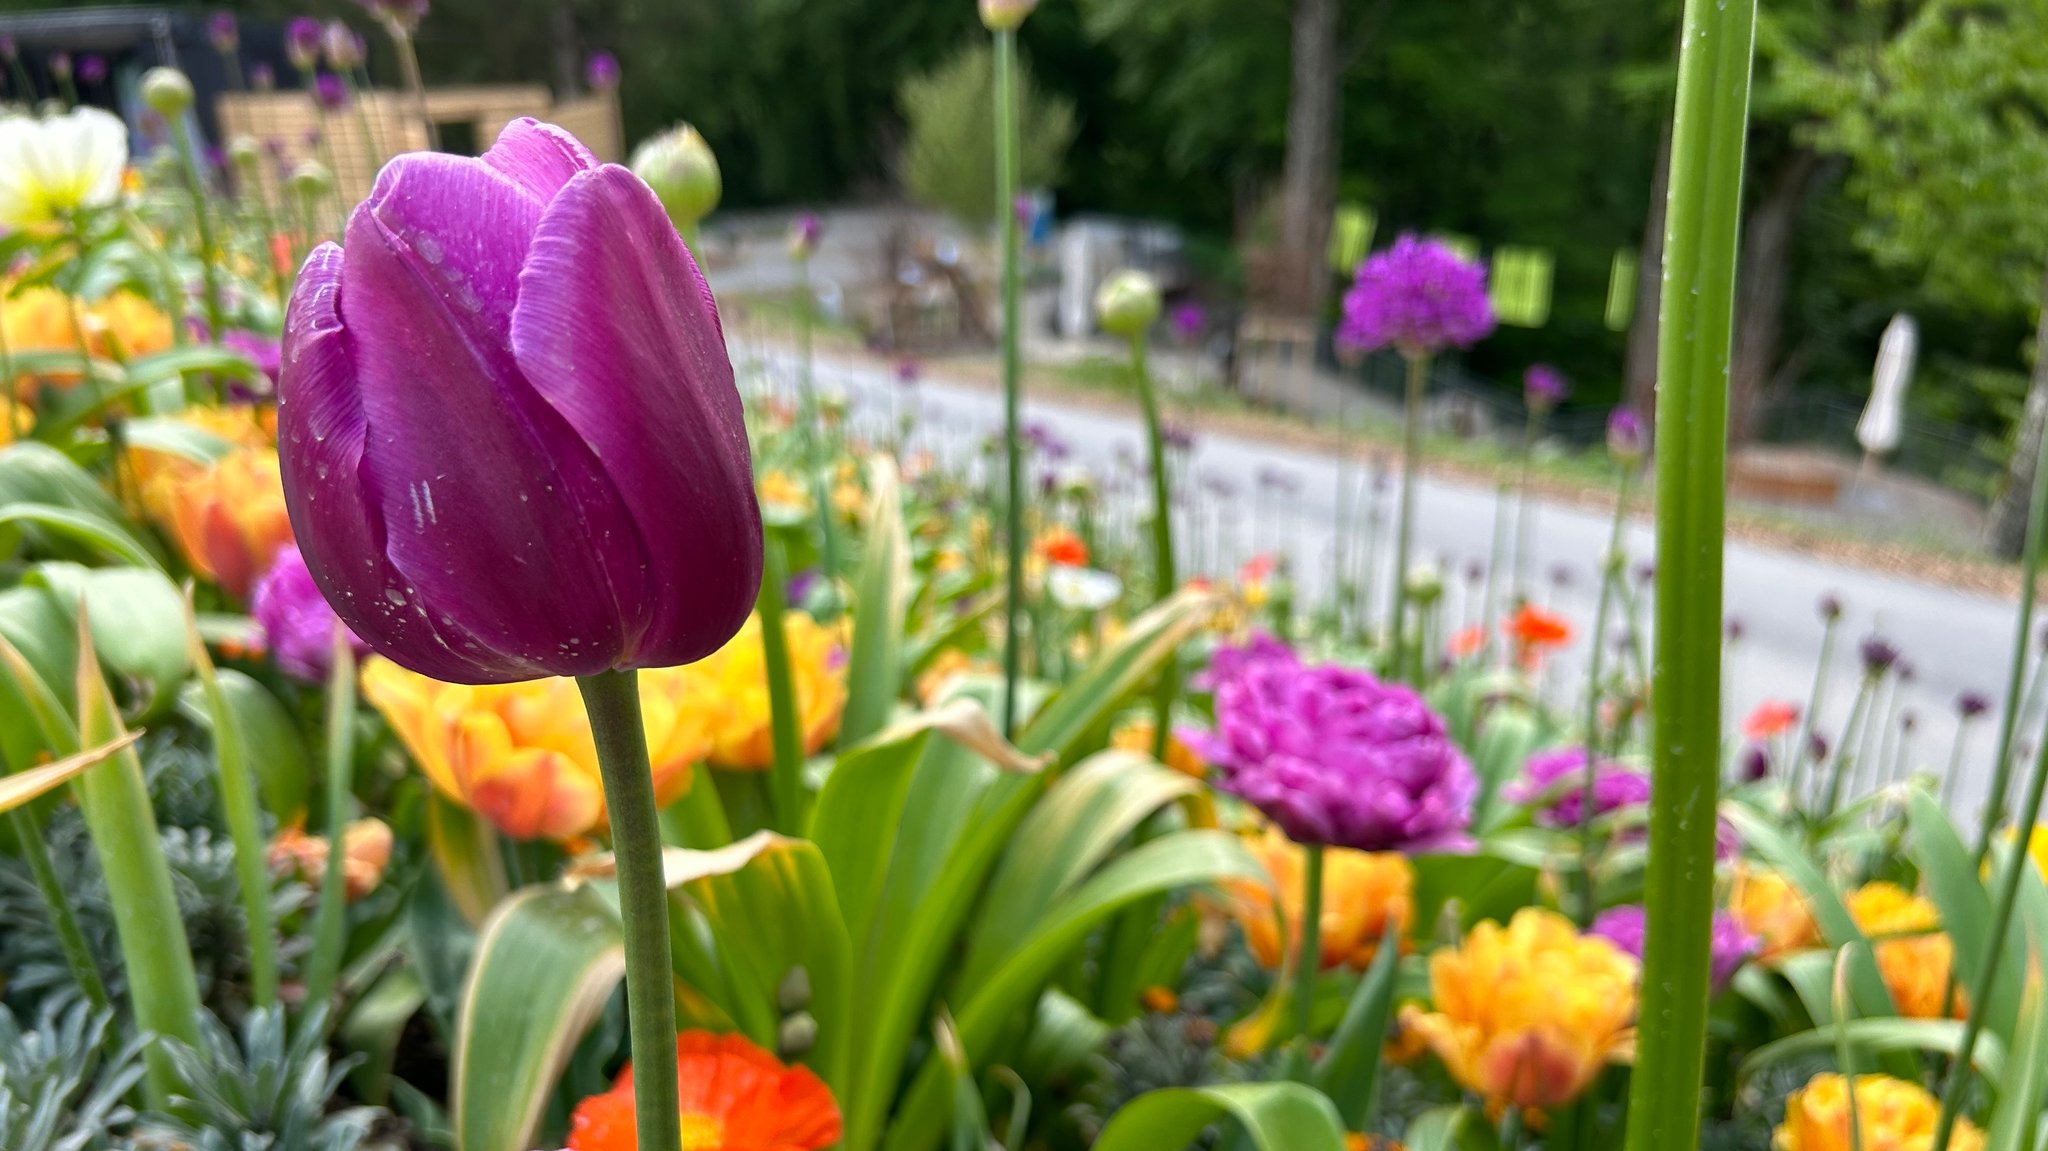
column 1731, row 945
column 298, row 626
column 262, row 77
column 597, row 510
column 224, row 32
column 329, row 92
column 601, row 72
column 1625, row 439
column 302, row 42
column 1971, row 704
column 92, row 70
column 1543, row 387
column 60, row 65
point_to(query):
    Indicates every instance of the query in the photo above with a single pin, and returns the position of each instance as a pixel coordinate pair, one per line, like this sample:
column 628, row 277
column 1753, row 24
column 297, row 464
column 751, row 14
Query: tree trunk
column 2009, row 514
column 1767, row 235
column 1309, row 180
column 1640, row 367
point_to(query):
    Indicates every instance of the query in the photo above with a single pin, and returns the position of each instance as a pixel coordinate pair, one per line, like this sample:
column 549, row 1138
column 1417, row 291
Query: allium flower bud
column 1543, row 387
column 1005, row 15
column 1625, row 439
column 804, row 233
column 1425, row 583
column 302, row 42
column 225, row 34
column 597, row 511
column 330, row 92
column 1971, row 704
column 92, row 69
column 1829, row 606
column 601, row 72
column 167, row 92
column 262, row 77
column 311, row 179
column 342, row 47
column 1127, row 304
column 244, row 152
column 60, row 66
column 681, row 169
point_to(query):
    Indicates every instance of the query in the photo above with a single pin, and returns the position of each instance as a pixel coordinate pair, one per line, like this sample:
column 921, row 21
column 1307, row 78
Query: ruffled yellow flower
column 229, row 519
column 125, row 326
column 521, row 755
column 1912, row 953
column 729, row 690
column 1527, row 1015
column 1362, row 893
column 39, row 318
column 1770, row 908
column 156, row 474
column 780, row 489
column 365, row 853
column 1891, row 1115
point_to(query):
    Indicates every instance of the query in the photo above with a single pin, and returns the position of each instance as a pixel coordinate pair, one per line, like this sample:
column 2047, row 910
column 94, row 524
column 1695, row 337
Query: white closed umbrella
column 1879, row 428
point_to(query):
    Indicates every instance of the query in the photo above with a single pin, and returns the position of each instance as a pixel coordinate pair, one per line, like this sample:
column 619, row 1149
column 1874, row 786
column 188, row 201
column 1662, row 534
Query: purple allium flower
column 1178, row 437
column 1044, row 441
column 1187, row 321
column 1543, row 386
column 800, row 585
column 329, row 92
column 1735, row 628
column 601, row 71
column 1418, row 297
column 1645, row 572
column 1561, row 575
column 1219, row 485
column 1025, row 209
column 1336, row 757
column 804, row 232
column 1971, row 704
column 405, row 15
column 1879, row 654
column 92, row 69
column 908, row 372
column 1475, row 572
column 1732, row 946
column 224, row 32
column 262, row 77
column 1829, row 606
column 298, row 626
column 1756, row 763
column 1558, row 777
column 60, row 65
column 1279, row 480
column 342, row 47
column 1625, row 439
column 302, row 42
column 1817, row 747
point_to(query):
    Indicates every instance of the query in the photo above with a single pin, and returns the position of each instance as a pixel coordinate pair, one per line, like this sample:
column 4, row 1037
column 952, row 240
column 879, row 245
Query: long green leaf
column 1349, row 1069
column 102, row 534
column 1883, row 1036
column 36, row 473
column 1950, row 872
column 373, row 1027
column 1275, row 1116
column 1866, row 984
column 465, row 853
column 874, row 666
column 1086, row 701
column 27, row 786
column 546, row 962
column 2023, row 1092
column 38, row 646
column 177, row 438
column 137, row 622
column 278, row 752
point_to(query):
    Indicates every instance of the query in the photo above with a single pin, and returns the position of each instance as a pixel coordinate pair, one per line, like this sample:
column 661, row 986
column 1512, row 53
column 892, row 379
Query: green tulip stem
column 1164, row 579
column 21, row 81
column 1404, row 531
column 1703, row 222
column 14, row 406
column 1310, row 959
column 612, row 700
column 1013, row 383
column 786, row 776
column 1610, row 573
column 209, row 252
column 57, row 902
column 330, row 920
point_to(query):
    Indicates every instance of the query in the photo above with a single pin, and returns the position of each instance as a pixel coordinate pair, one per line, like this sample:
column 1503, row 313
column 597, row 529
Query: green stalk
column 1801, row 751
column 1340, row 581
column 14, row 407
column 612, row 700
column 209, row 253
column 786, row 776
column 1411, row 466
column 1703, row 219
column 2023, row 630
column 1845, row 758
column 1310, row 959
column 1955, row 766
column 814, row 432
column 1013, row 448
column 245, row 827
column 1525, row 511
column 324, row 968
column 57, row 902
column 1610, row 571
column 21, row 80
column 1489, row 608
column 409, row 65
column 1164, row 580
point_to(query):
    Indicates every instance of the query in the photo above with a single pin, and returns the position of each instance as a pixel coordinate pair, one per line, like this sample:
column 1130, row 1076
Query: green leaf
column 1441, row 1128
column 373, row 1026
column 99, row 533
column 136, row 616
column 546, row 962
column 1275, row 1116
column 1949, row 871
column 277, row 752
column 2024, row 1089
column 1088, row 699
column 466, row 855
column 874, row 666
column 1837, row 927
column 27, row 786
column 970, row 1120
column 1350, row 1065
column 1506, row 738
column 177, row 438
column 38, row 645
column 1938, row 1036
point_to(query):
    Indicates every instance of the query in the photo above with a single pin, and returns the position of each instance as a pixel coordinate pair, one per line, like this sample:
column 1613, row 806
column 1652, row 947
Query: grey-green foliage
column 264, row 1090
column 949, row 158
column 1944, row 118
column 61, row 1084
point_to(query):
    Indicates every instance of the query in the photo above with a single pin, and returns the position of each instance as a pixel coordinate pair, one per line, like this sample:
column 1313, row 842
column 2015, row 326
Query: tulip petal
column 341, row 531
column 497, row 512
column 538, row 157
column 617, row 329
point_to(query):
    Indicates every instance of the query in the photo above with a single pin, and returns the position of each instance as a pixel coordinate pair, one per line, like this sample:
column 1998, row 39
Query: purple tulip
column 1336, row 757
column 302, row 39
column 1417, row 297
column 1557, row 777
column 329, row 92
column 224, row 32
column 1625, row 439
column 601, row 72
column 597, row 509
column 298, row 626
column 92, row 70
column 1730, row 949
column 1543, row 386
column 260, row 350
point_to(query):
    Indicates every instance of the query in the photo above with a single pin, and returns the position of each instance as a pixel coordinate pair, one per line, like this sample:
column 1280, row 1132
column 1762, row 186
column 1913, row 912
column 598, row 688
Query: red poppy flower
column 735, row 1097
column 1534, row 629
column 1771, row 717
column 1063, row 548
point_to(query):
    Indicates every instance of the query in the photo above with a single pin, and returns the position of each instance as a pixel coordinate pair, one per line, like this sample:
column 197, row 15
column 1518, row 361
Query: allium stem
column 1703, row 220
column 1490, row 609
column 1163, row 577
column 1954, row 773
column 409, row 65
column 1610, row 571
column 1411, row 466
column 1310, row 959
column 1845, row 755
column 1802, row 751
column 1525, row 511
column 2023, row 632
column 1013, row 384
column 814, row 431
column 612, row 700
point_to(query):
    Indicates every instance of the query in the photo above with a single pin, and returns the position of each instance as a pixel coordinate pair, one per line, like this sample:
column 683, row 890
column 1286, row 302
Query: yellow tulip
column 521, row 755
column 1528, row 1014
column 229, row 519
column 780, row 489
column 1770, row 908
column 155, row 475
column 1362, row 893
column 730, row 691
column 1912, row 954
column 1891, row 1115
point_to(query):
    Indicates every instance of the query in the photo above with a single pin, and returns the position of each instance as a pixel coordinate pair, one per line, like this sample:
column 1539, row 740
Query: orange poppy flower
column 1063, row 548
column 735, row 1097
column 1535, row 630
column 1772, row 717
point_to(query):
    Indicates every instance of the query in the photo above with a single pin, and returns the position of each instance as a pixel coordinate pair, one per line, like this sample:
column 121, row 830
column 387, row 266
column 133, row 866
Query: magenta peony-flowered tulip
column 510, row 438
column 1336, row 757
column 298, row 625
column 1732, row 945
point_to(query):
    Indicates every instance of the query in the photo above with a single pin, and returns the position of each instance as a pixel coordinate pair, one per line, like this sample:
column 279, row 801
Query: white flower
column 1082, row 589
column 52, row 166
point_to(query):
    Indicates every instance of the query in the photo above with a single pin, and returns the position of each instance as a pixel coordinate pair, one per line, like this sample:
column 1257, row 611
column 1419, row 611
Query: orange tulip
column 734, row 1097
column 1913, row 955
column 365, row 852
column 1891, row 1115
column 1363, row 892
column 229, row 519
column 1770, row 908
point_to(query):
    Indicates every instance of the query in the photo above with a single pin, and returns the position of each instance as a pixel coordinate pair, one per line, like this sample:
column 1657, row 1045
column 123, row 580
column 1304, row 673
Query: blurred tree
column 948, row 157
column 1946, row 125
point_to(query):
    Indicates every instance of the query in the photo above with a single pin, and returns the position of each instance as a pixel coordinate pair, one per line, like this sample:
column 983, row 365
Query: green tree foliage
column 949, row 158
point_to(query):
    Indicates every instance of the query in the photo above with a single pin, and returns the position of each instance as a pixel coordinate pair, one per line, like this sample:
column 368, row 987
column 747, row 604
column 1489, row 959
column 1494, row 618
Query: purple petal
column 538, row 157
column 617, row 329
